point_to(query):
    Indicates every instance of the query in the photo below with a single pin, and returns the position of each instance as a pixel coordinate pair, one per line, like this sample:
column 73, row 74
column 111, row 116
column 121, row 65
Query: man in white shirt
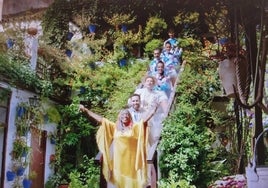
column 137, row 113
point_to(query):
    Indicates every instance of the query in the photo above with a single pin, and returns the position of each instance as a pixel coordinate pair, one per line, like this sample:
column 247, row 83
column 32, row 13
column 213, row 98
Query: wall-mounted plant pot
column 9, row 43
column 92, row 65
column 92, row 28
column 21, row 111
column 26, row 183
column 69, row 35
column 82, row 90
column 52, row 158
column 223, row 41
column 68, row 52
column 40, row 51
column 52, row 140
column 32, row 31
column 24, row 154
column 10, row 175
column 20, row 171
column 46, row 118
column 124, row 28
column 122, row 62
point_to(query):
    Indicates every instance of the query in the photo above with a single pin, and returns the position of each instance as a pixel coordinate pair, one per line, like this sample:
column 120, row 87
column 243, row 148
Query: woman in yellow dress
column 126, row 165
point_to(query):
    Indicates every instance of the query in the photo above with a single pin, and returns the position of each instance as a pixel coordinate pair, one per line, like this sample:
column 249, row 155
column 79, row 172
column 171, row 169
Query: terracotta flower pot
column 32, row 31
column 40, row 51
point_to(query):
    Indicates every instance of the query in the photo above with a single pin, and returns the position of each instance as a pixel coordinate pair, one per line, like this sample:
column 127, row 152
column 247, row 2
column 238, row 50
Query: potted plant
column 20, row 171
column 10, row 175
column 32, row 31
column 23, row 127
column 52, row 160
column 21, row 110
column 64, row 184
column 27, row 181
column 52, row 136
column 20, row 148
column 86, row 18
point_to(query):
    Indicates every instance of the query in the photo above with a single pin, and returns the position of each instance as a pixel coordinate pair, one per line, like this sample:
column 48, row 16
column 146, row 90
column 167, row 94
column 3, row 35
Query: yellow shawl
column 126, row 165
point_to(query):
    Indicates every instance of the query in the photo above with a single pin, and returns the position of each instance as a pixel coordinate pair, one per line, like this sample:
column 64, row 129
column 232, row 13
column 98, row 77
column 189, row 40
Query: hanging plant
column 23, row 127
column 53, row 114
column 20, row 147
column 27, row 181
column 53, row 137
column 21, row 111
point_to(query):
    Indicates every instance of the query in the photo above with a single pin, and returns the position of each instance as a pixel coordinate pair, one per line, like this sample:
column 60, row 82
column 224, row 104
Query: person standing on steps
column 149, row 98
column 129, row 147
column 152, row 66
column 137, row 113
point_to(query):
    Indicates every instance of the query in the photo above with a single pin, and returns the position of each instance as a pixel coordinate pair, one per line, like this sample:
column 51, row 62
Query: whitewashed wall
column 17, row 97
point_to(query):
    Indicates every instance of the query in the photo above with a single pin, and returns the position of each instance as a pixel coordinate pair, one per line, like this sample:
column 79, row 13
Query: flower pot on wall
column 68, row 52
column 20, row 171
column 10, row 175
column 92, row 28
column 69, row 35
column 122, row 62
column 9, row 43
column 52, row 140
column 32, row 31
column 24, row 154
column 26, row 183
column 21, row 111
column 124, row 28
column 82, row 90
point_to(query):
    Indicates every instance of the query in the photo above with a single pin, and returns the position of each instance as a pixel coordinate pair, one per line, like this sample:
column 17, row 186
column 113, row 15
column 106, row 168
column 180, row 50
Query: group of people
column 125, row 143
column 166, row 63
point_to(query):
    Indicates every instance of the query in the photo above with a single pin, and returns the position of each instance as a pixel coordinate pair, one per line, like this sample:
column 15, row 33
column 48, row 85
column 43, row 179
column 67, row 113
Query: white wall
column 17, row 97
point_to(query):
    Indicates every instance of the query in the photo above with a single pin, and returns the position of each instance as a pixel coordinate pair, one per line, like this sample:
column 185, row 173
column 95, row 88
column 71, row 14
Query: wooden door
column 37, row 163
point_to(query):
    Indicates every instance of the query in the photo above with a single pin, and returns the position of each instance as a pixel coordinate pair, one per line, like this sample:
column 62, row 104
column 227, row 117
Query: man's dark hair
column 135, row 94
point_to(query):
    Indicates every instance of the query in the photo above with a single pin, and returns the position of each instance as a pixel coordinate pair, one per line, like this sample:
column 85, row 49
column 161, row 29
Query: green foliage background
column 186, row 152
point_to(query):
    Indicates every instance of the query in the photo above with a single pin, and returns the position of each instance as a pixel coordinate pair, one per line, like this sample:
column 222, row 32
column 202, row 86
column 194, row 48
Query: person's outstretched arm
column 91, row 114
